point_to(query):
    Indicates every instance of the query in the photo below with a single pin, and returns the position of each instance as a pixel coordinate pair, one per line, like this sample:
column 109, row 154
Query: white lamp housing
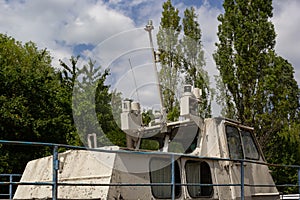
column 131, row 118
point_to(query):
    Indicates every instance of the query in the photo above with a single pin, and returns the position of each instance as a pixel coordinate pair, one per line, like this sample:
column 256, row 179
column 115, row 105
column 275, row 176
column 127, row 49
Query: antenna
column 149, row 27
column 136, row 90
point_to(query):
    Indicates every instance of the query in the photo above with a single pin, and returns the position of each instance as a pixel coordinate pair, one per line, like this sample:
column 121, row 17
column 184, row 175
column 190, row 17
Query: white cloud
column 118, row 46
column 286, row 20
column 95, row 23
column 207, row 16
column 59, row 25
column 139, row 10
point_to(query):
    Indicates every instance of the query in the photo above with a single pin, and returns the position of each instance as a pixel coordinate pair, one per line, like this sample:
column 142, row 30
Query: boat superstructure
column 192, row 158
column 218, row 153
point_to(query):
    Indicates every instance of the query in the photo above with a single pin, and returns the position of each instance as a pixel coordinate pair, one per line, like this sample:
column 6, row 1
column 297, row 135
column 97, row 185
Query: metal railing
column 55, row 167
column 10, row 178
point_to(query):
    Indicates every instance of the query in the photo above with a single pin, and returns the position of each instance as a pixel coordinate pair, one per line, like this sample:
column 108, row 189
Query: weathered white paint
column 96, row 167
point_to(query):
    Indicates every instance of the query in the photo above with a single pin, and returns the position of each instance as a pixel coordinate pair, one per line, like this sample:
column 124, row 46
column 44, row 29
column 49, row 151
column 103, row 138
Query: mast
column 163, row 118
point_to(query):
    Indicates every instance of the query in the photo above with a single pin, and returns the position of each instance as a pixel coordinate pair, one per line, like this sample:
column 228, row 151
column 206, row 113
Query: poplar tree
column 258, row 86
column 250, row 69
column 246, row 39
column 168, row 45
column 193, row 60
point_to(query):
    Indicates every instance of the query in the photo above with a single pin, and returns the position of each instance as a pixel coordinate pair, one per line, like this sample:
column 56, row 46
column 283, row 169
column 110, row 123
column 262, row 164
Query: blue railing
column 55, row 167
column 10, row 178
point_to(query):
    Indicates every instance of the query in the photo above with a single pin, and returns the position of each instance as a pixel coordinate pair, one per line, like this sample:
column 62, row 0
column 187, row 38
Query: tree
column 168, row 45
column 36, row 103
column 286, row 145
column 68, row 78
column 193, row 60
column 147, row 116
column 33, row 104
column 68, row 74
column 246, row 39
column 181, row 56
column 249, row 66
column 92, row 108
column 114, row 133
column 258, row 86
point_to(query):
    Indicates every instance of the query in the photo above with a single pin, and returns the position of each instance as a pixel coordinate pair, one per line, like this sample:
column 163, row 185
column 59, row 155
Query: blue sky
column 72, row 27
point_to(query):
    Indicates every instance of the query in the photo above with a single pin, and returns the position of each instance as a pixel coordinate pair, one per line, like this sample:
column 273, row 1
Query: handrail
column 55, row 182
column 10, row 184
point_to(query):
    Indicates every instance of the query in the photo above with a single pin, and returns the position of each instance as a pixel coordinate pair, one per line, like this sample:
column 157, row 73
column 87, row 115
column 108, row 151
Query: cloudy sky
column 111, row 31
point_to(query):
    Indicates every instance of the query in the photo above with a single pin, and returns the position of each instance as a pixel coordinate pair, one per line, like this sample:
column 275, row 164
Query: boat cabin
column 205, row 158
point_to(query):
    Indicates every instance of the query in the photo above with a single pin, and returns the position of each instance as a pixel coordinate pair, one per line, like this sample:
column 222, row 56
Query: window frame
column 240, row 143
column 240, row 130
column 178, row 188
column 253, row 141
column 181, row 131
column 211, row 188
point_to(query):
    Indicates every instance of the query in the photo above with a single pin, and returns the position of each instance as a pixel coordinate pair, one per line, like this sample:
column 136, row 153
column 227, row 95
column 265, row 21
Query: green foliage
column 168, row 45
column 287, row 147
column 149, row 144
column 92, row 109
column 257, row 86
column 192, row 47
column 3, row 161
column 36, row 103
column 68, row 78
column 84, row 94
column 181, row 56
column 108, row 109
column 147, row 117
column 193, row 60
column 33, row 105
column 174, row 113
column 246, row 39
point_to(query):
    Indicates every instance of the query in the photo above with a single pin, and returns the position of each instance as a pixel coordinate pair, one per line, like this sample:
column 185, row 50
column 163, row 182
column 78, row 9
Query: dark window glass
column 160, row 172
column 198, row 172
column 250, row 149
column 184, row 139
column 150, row 144
column 234, row 142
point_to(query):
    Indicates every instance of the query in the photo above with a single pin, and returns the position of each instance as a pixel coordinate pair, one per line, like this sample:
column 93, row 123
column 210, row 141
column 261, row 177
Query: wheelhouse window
column 161, row 172
column 250, row 148
column 241, row 144
column 198, row 172
column 184, row 139
column 234, row 142
column 150, row 144
column 154, row 142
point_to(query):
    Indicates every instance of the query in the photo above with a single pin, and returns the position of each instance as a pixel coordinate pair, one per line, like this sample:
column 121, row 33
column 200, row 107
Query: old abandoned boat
column 213, row 158
column 193, row 158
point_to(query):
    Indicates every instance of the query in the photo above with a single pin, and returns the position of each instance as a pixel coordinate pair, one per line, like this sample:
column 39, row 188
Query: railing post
column 242, row 180
column 10, row 186
column 173, row 176
column 55, row 174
